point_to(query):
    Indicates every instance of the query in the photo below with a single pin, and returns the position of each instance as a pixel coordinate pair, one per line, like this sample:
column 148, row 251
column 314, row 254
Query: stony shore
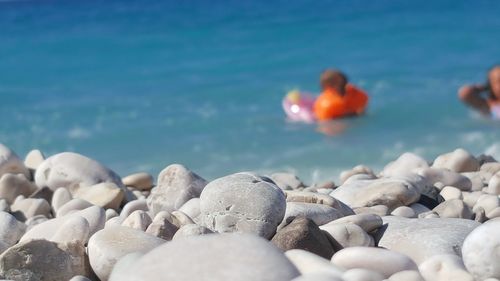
column 69, row 217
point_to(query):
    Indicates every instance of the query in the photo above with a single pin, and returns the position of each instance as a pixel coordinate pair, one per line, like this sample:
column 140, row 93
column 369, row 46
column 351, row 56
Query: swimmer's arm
column 471, row 95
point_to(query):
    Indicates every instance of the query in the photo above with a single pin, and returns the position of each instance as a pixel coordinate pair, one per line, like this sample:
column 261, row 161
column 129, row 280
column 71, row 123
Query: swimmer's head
column 494, row 81
column 333, row 79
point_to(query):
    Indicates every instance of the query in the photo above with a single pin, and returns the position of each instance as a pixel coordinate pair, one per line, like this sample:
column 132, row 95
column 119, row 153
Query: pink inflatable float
column 299, row 106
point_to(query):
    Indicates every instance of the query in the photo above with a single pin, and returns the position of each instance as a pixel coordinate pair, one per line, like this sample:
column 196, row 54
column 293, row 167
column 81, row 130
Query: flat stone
column 11, row 229
column 139, row 220
column 163, row 226
column 33, row 159
column 348, row 234
column 419, row 208
column 357, row 170
column 319, row 213
column 362, row 274
column 76, row 204
column 110, row 213
column 453, row 208
column 242, row 202
column 379, row 210
column 458, row 161
column 191, row 230
column 10, row 163
column 13, row 185
column 404, row 211
column 365, row 193
column 317, row 198
column 106, row 195
column 421, row 239
column 486, row 201
column 309, row 263
column 24, row 209
column 491, row 167
column 447, row 178
column 176, row 185
column 60, row 197
column 379, row 260
column 368, row 222
column 450, row 192
column 192, row 209
column 443, row 268
column 406, row 275
column 478, row 179
column 140, row 181
column 481, row 251
column 287, row 181
column 303, row 233
column 236, row 257
column 470, row 198
column 406, row 163
column 73, row 171
column 44, row 260
column 107, row 246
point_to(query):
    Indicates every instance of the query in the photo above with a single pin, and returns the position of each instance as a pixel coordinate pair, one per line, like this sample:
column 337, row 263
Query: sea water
column 139, row 85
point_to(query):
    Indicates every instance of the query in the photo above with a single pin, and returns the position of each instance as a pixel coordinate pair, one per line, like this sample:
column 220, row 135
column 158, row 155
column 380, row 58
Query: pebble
column 236, row 257
column 176, row 185
column 44, row 260
column 192, row 209
column 379, row 260
column 107, row 246
column 110, row 213
column 406, row 275
column 491, row 167
column 11, row 229
column 446, row 178
column 163, row 226
column 33, row 159
column 450, row 192
column 191, row 230
column 453, row 208
column 404, row 211
column 494, row 184
column 106, row 195
column 480, row 251
column 317, row 277
column 4, row 206
column 139, row 204
column 140, row 181
column 10, row 163
column 406, row 163
column 242, row 202
column 72, row 170
column 348, row 234
column 60, row 197
column 458, row 161
column 76, row 204
column 319, row 213
column 309, row 263
column 486, row 201
column 357, row 170
column 303, row 233
column 362, row 274
column 25, row 208
column 419, row 208
column 139, row 220
column 443, row 268
column 13, row 185
column 287, row 181
column 379, row 210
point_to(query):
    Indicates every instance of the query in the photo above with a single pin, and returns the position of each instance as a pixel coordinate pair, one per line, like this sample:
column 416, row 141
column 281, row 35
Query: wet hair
column 331, row 76
column 488, row 82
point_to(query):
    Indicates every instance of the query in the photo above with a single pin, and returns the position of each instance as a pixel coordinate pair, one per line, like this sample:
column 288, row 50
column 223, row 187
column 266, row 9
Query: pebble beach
column 69, row 217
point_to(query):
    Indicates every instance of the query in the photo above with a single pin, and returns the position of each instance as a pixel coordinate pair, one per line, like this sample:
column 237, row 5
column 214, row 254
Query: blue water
column 142, row 84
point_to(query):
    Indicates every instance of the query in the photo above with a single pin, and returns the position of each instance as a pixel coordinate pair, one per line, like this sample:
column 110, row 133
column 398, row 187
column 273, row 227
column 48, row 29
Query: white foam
column 78, row 133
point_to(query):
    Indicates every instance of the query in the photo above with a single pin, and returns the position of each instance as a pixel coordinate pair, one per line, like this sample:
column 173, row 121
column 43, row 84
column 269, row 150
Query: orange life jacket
column 330, row 104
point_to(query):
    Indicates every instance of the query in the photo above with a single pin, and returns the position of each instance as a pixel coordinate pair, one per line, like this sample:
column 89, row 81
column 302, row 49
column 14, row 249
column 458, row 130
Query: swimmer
column 338, row 98
column 484, row 98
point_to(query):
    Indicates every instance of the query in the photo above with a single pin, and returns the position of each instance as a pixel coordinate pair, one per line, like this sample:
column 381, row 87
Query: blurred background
column 138, row 85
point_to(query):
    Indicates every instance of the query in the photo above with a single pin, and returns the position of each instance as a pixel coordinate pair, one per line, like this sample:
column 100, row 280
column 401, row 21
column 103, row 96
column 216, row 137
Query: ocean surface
column 139, row 85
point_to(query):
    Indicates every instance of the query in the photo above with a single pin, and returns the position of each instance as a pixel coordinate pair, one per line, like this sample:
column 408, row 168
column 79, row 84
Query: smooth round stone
column 310, row 197
column 24, row 209
column 317, row 277
column 10, row 163
column 458, row 161
column 470, row 198
column 73, row 229
column 404, row 211
column 110, row 213
column 406, row 275
column 368, row 222
column 478, row 179
column 180, row 219
column 242, row 202
column 95, row 217
column 130, row 207
column 287, row 181
column 357, row 170
column 486, row 201
column 139, row 220
column 378, row 210
column 31, row 222
column 73, row 171
column 303, row 233
column 309, row 263
column 140, row 181
column 422, row 238
column 107, row 246
column 380, row 260
column 419, row 208
column 443, row 268
column 361, row 274
column 490, row 167
column 76, row 204
column 447, row 178
column 13, row 185
column 191, row 230
column 106, row 195
column 11, row 229
column 60, row 197
column 450, row 192
column 176, row 185
column 365, row 193
column 192, row 208
column 495, row 213
column 116, row 221
column 348, row 234
column 494, row 184
column 44, row 260
column 481, row 253
column 407, row 162
column 428, row 215
column 4, row 206
column 454, row 208
column 33, row 159
column 79, row 278
column 319, row 213
column 163, row 226
column 236, row 257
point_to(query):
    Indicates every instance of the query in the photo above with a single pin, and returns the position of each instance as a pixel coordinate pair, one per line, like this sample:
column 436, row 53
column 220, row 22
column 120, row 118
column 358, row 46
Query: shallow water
column 142, row 84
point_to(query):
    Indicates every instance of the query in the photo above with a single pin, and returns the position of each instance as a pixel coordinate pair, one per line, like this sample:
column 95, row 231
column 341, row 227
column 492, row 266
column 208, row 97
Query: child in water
column 338, row 98
column 474, row 95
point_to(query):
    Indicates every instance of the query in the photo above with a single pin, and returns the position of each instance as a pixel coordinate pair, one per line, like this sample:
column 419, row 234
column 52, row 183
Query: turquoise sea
column 142, row 84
